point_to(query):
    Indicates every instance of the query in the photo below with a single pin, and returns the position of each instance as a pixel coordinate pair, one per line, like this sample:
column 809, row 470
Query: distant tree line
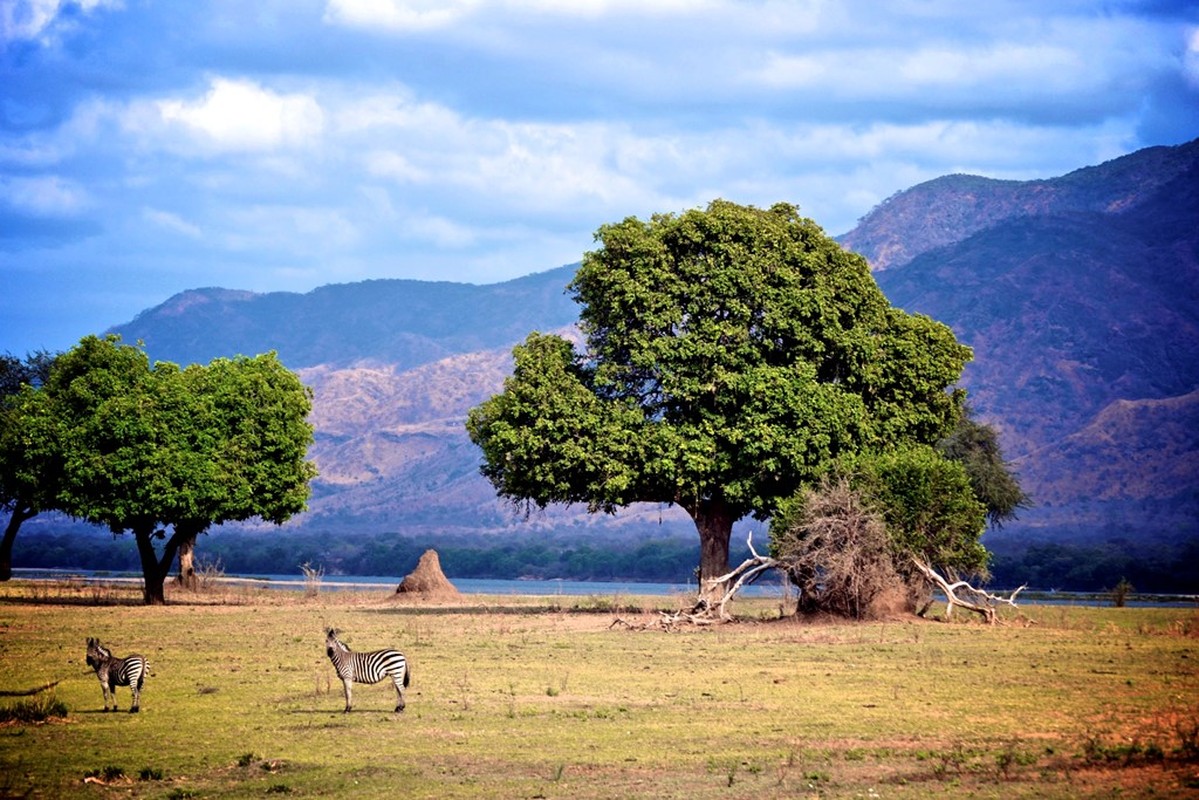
column 668, row 560
column 1072, row 567
column 1043, row 566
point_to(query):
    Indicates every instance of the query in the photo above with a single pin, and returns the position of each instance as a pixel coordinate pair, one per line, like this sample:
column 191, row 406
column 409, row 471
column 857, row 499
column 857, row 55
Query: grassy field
column 556, row 698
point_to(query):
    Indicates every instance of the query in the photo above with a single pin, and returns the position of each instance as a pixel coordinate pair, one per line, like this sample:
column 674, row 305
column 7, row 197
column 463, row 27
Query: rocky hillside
column 950, row 209
column 1079, row 295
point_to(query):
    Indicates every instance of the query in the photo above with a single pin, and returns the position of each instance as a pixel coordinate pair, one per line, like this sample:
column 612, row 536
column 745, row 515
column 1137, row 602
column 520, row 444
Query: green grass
column 528, row 697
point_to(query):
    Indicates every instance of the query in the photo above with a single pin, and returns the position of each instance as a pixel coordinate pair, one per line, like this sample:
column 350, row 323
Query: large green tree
column 28, row 468
column 117, row 469
column 250, row 429
column 730, row 354
column 164, row 453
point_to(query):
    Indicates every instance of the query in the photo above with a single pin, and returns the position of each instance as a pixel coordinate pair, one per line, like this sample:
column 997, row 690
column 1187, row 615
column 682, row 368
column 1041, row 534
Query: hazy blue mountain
column 401, row 322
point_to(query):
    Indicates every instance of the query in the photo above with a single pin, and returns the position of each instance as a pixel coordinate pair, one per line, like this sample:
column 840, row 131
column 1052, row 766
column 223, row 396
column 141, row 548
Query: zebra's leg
column 399, row 682
column 107, row 693
column 136, row 688
column 347, row 683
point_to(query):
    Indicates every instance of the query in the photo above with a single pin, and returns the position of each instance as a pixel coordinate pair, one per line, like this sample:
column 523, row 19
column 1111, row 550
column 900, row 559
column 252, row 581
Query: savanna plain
column 590, row 697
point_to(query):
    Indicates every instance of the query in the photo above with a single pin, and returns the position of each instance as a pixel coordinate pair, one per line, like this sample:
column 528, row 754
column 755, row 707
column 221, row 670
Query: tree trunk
column 155, row 569
column 714, row 521
column 19, row 515
column 187, row 564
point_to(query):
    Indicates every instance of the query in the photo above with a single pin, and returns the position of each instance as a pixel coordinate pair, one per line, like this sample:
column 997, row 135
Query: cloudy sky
column 148, row 147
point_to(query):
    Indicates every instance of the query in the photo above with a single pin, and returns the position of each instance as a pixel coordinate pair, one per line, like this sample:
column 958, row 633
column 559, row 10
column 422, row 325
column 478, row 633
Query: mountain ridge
column 343, row 324
column 1082, row 317
column 950, row 208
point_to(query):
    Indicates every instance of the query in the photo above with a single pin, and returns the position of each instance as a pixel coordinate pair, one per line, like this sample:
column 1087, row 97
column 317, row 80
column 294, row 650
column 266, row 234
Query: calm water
column 764, row 588
column 767, row 587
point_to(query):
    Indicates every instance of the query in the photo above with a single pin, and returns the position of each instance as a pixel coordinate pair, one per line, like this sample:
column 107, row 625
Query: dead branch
column 666, row 621
column 746, row 572
column 983, row 603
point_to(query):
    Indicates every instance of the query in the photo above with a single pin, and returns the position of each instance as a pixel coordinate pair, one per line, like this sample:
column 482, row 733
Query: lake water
column 764, row 588
column 767, row 587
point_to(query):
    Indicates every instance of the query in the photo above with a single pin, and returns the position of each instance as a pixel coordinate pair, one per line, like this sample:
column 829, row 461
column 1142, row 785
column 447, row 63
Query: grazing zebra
column 113, row 672
column 367, row 667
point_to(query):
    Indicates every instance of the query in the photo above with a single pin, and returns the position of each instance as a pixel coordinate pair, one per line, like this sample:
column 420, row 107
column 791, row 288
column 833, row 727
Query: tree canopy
column 164, row 453
column 27, row 459
column 975, row 446
column 730, row 354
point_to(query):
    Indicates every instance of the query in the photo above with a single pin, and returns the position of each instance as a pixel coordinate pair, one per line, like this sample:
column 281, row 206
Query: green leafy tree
column 731, row 353
column 929, row 507
column 28, row 456
column 975, row 446
column 117, row 466
column 164, row 453
column 249, row 433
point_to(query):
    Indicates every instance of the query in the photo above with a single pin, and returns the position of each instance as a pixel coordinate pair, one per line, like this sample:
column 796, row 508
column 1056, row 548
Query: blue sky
column 151, row 147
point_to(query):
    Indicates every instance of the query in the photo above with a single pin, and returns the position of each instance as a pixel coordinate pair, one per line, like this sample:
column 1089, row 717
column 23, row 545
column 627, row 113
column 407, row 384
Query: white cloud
column 241, row 115
column 437, row 230
column 412, row 16
column 171, row 222
column 44, row 195
column 33, row 19
column 398, row 15
column 1190, row 59
column 288, row 231
column 396, row 167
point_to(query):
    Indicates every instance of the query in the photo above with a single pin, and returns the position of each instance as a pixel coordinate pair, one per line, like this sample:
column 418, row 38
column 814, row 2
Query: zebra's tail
column 407, row 675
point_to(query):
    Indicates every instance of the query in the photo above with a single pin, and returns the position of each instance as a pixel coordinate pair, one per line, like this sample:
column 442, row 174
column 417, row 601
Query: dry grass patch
column 525, row 697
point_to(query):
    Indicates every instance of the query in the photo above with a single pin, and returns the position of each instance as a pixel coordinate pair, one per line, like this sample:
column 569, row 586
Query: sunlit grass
column 523, row 697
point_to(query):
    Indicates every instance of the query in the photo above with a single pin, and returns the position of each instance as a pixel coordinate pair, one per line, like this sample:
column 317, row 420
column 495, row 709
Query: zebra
column 370, row 667
column 129, row 671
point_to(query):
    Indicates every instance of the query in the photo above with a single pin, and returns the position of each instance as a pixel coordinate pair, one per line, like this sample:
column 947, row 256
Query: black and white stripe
column 113, row 672
column 367, row 667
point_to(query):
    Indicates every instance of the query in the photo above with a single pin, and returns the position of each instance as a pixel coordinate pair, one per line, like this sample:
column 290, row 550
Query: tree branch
column 746, row 572
column 985, row 602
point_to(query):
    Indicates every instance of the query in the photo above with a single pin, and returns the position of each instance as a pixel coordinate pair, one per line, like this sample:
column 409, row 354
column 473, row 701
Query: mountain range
column 1079, row 295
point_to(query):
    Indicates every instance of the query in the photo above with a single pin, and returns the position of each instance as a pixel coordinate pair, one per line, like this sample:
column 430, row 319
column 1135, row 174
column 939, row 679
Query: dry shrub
column 836, row 551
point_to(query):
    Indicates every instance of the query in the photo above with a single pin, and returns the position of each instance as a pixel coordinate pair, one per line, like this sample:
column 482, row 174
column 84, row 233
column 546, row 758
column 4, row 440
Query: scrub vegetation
column 583, row 697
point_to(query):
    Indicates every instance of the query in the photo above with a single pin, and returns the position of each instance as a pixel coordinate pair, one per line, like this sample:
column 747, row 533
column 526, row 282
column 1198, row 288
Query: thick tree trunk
column 714, row 521
column 19, row 515
column 152, row 577
column 155, row 569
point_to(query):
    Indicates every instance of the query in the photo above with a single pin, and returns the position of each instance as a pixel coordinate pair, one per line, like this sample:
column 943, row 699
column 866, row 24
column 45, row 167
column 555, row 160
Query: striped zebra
column 129, row 671
column 366, row 667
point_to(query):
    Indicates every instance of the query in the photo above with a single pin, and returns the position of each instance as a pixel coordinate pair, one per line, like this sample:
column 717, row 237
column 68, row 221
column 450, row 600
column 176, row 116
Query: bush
column 835, row 549
column 35, row 710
